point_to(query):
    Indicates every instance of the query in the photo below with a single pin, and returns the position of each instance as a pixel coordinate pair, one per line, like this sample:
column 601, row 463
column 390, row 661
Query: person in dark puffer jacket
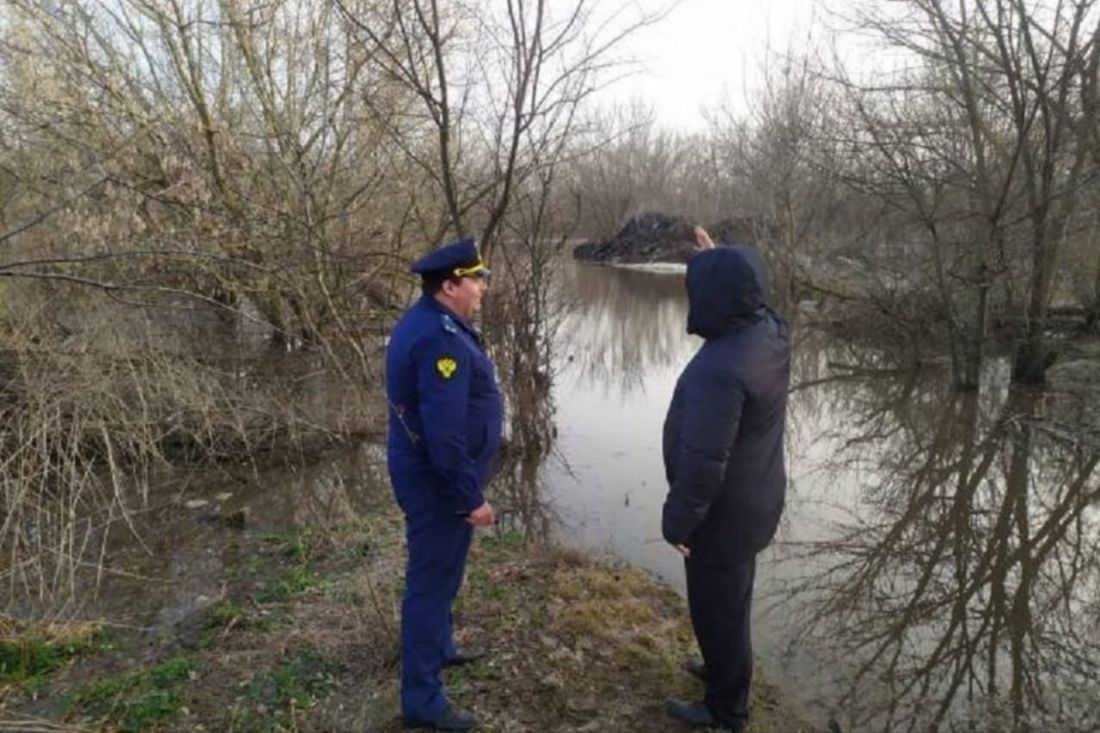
column 723, row 454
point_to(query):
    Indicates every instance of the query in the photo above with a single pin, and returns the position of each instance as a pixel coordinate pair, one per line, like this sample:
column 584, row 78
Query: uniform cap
column 459, row 259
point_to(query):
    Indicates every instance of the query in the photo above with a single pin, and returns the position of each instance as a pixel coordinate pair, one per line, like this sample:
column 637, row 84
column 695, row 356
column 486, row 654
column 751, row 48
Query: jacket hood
column 727, row 287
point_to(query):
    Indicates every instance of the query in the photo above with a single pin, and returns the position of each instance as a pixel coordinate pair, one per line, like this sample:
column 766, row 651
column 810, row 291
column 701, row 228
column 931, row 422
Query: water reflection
column 621, row 346
column 939, row 562
column 190, row 538
column 937, row 567
column 957, row 589
column 622, row 325
column 517, row 498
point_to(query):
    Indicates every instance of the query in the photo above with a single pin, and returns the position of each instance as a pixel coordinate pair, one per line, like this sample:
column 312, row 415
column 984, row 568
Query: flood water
column 937, row 563
column 937, row 567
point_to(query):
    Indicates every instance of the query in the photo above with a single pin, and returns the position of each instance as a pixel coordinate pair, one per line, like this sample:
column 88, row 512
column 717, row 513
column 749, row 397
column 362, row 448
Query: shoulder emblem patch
column 446, row 366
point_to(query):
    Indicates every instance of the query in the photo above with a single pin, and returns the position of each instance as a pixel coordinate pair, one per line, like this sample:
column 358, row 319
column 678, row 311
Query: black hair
column 432, row 282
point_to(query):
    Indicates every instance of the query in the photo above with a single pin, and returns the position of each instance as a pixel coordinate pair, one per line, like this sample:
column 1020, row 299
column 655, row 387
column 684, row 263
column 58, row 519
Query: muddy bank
column 302, row 635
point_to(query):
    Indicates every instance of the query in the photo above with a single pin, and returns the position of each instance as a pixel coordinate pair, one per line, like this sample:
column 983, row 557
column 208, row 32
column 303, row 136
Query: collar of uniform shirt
column 466, row 325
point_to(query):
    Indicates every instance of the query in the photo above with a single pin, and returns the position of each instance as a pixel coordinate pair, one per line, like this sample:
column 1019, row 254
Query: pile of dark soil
column 657, row 237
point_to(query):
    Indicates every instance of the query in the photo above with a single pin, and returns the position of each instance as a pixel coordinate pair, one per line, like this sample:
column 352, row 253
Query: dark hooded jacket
column 723, row 434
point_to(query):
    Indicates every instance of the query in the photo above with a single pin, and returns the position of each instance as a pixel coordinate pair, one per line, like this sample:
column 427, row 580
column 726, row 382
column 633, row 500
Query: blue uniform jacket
column 445, row 409
column 723, row 434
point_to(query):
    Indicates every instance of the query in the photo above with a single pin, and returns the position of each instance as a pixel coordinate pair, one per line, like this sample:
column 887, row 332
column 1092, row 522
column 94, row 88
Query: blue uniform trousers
column 720, row 601
column 438, row 541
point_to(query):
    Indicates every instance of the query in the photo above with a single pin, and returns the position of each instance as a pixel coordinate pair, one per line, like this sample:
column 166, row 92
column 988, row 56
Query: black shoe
column 697, row 715
column 450, row 719
column 465, row 656
column 695, row 668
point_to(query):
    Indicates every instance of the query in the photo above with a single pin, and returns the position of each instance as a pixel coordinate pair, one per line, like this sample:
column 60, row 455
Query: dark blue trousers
column 720, row 601
column 438, row 542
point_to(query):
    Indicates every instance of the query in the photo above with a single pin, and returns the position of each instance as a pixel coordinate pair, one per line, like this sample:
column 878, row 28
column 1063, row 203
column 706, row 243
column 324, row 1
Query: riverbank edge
column 302, row 636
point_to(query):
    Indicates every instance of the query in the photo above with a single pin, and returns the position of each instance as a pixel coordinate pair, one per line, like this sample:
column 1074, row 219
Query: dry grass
column 580, row 646
column 88, row 421
column 576, row 645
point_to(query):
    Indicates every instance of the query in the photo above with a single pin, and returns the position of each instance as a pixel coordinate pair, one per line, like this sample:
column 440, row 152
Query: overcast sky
column 705, row 49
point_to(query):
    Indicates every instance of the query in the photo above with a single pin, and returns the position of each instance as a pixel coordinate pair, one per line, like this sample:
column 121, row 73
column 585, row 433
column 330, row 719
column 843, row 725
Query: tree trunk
column 975, row 352
column 969, row 353
column 1033, row 356
column 1092, row 312
column 1032, row 360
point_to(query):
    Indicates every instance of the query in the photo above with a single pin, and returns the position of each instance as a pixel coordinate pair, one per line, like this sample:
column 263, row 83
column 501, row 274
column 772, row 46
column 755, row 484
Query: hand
column 683, row 550
column 702, row 239
column 483, row 516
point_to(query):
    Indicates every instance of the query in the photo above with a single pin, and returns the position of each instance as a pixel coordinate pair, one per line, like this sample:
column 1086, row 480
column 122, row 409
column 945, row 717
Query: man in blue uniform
column 444, row 432
column 723, row 451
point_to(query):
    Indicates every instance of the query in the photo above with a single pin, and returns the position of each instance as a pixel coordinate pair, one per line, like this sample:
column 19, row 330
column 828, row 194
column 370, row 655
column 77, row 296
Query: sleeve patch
column 446, row 366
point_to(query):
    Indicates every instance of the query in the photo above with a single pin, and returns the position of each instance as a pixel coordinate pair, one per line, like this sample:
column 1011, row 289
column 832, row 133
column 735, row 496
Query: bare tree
column 779, row 158
column 234, row 136
column 626, row 166
column 979, row 140
column 184, row 184
column 495, row 91
column 496, row 88
column 216, row 176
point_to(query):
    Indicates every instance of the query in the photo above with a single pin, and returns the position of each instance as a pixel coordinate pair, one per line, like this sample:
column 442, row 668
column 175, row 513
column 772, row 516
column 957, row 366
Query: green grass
column 248, row 568
column 294, row 583
column 29, row 661
column 490, row 548
column 362, row 541
column 296, row 545
column 224, row 614
column 229, row 615
column 293, row 686
column 502, row 542
column 135, row 701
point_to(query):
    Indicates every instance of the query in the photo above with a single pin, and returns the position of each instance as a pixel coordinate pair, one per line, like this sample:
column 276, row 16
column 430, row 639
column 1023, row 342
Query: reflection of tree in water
column 517, row 495
column 966, row 584
column 525, row 318
column 618, row 328
column 612, row 325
